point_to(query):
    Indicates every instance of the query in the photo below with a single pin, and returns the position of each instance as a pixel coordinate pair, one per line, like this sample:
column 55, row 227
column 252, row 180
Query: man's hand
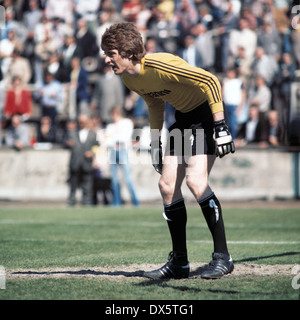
column 89, row 154
column 156, row 155
column 223, row 138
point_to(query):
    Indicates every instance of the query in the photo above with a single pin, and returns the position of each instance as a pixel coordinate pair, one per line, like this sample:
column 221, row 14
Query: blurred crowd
column 52, row 67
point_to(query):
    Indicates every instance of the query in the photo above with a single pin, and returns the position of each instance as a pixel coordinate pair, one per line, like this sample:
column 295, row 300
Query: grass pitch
column 56, row 253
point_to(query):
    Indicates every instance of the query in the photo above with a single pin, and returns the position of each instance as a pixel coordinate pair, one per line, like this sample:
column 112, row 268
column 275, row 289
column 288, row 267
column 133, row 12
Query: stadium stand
column 43, row 36
column 258, row 38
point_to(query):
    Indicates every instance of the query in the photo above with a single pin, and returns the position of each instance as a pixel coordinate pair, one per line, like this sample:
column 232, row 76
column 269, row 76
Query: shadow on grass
column 284, row 254
column 195, row 274
column 166, row 284
column 90, row 272
column 140, row 273
column 179, row 286
column 87, row 272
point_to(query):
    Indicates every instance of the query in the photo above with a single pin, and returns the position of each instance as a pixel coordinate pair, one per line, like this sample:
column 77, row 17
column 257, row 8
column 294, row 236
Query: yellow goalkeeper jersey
column 166, row 77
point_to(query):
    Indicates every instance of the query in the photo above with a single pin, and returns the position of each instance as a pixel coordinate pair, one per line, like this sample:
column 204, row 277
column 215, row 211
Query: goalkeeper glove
column 223, row 138
column 156, row 155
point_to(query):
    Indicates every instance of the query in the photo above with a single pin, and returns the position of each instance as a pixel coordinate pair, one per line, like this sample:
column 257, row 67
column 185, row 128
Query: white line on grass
column 152, row 241
column 138, row 224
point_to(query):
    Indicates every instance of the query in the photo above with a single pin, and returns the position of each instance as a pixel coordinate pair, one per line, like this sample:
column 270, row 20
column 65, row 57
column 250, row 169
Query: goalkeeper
column 203, row 135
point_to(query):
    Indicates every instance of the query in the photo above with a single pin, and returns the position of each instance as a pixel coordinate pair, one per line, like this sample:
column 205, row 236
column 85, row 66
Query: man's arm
column 218, row 116
column 156, row 110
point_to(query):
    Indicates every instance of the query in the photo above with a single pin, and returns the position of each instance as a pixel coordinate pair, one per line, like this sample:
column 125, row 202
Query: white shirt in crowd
column 119, row 132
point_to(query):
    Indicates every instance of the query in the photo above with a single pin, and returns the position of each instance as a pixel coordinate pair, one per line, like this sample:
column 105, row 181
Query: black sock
column 212, row 212
column 175, row 214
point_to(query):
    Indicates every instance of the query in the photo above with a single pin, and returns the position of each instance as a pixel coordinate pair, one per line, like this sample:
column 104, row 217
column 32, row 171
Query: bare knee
column 197, row 185
column 166, row 187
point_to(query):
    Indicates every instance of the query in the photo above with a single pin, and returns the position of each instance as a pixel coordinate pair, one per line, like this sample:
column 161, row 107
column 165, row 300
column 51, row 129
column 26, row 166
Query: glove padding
column 223, row 138
column 156, row 155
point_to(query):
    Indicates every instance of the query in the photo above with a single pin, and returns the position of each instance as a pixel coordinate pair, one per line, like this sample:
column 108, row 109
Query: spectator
column 186, row 17
column 86, row 40
column 68, row 132
column 119, row 139
column 50, row 96
column 274, row 129
column 25, row 6
column 7, row 44
column 130, row 10
column 243, row 66
column 19, row 67
column 69, row 51
column 57, row 68
column 42, row 29
column 88, row 10
column 261, row 96
column 190, row 52
column 11, row 23
column 46, row 131
column 205, row 17
column 254, row 130
column 18, row 100
column 59, row 31
column 30, row 19
column 7, row 47
column 295, row 42
column 228, row 23
column 247, row 14
column 286, row 75
column 108, row 92
column 81, row 143
column 161, row 29
column 17, row 135
column 269, row 39
column 102, row 179
column 168, row 8
column 234, row 97
column 143, row 16
column 265, row 66
column 62, row 9
column 244, row 37
column 218, row 9
column 151, row 45
column 205, row 44
column 44, row 49
column 79, row 81
column 277, row 16
column 118, row 4
column 256, row 8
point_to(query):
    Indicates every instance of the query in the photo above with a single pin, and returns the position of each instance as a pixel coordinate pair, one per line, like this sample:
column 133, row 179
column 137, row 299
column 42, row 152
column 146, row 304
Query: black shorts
column 192, row 133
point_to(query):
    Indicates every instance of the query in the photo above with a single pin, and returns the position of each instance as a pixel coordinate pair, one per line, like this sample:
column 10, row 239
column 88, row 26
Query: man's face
column 118, row 64
column 82, row 120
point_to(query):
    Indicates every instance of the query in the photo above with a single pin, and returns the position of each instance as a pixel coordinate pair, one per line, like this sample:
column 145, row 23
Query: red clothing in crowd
column 18, row 101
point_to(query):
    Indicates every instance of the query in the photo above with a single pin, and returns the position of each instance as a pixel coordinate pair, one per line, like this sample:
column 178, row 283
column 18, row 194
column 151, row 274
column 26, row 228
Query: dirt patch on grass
column 136, row 271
